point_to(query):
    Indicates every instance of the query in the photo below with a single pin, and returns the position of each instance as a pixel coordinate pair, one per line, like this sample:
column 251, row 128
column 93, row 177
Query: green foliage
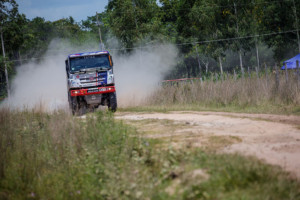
column 132, row 21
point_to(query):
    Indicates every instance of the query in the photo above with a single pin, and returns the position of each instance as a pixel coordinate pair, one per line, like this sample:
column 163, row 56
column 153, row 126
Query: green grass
column 57, row 156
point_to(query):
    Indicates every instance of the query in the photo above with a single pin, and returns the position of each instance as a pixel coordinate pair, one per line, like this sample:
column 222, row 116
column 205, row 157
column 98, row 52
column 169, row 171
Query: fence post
column 298, row 72
column 276, row 77
column 249, row 75
column 266, row 71
column 234, row 74
column 243, row 72
column 256, row 69
column 286, row 73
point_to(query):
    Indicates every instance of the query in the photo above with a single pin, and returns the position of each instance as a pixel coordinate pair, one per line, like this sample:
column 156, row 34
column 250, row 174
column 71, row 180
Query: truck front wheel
column 112, row 102
column 73, row 104
column 77, row 106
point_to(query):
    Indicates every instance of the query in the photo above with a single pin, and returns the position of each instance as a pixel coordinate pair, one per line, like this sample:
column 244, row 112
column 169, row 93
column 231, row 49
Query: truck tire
column 82, row 108
column 73, row 104
column 112, row 102
column 77, row 107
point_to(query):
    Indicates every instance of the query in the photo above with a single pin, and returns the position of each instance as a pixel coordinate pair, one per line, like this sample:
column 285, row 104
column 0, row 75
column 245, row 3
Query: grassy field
column 57, row 156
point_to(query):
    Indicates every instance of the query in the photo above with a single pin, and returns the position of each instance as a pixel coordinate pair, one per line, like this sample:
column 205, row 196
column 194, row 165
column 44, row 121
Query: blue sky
column 56, row 9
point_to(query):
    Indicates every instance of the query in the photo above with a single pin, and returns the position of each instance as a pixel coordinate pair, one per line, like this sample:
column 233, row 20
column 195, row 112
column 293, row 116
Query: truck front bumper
column 91, row 91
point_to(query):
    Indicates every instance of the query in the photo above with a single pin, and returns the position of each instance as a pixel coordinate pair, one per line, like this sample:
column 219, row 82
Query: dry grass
column 265, row 94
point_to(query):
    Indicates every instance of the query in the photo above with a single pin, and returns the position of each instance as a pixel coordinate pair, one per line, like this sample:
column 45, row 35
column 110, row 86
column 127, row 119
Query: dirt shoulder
column 272, row 138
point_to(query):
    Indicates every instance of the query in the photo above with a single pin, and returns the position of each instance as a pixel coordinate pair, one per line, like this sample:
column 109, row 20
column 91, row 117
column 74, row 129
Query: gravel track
column 272, row 138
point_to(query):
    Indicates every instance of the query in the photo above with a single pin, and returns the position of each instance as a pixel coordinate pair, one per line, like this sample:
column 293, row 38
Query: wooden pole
column 221, row 65
column 266, row 71
column 298, row 71
column 234, row 74
column 249, row 75
column 199, row 64
column 286, row 73
column 257, row 54
column 276, row 77
column 221, row 68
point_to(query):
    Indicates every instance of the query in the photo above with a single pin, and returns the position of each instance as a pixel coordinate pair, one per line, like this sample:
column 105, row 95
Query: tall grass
column 57, row 156
column 266, row 93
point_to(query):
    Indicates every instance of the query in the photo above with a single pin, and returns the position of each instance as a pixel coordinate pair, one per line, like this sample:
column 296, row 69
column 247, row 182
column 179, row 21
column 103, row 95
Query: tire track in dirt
column 272, row 138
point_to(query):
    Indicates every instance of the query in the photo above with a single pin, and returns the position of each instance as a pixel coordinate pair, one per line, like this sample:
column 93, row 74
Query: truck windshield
column 89, row 62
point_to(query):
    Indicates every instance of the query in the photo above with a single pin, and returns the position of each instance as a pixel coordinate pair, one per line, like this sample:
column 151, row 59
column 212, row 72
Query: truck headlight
column 110, row 77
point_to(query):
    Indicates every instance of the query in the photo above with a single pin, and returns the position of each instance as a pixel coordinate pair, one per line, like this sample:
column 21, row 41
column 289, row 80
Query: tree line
column 211, row 35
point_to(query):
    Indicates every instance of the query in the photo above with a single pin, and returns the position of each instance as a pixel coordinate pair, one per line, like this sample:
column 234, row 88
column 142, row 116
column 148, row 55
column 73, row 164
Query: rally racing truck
column 90, row 81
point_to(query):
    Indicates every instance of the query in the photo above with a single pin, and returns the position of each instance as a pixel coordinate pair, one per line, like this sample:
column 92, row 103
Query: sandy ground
column 272, row 138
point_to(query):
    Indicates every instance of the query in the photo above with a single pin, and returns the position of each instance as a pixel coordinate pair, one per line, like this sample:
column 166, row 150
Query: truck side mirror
column 67, row 67
column 110, row 61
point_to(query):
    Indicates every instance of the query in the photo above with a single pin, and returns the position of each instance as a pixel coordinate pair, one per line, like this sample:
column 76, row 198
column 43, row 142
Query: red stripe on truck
column 90, row 91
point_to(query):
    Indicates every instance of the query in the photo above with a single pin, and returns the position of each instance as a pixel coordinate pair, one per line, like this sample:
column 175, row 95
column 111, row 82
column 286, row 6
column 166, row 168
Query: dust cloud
column 138, row 75
column 42, row 83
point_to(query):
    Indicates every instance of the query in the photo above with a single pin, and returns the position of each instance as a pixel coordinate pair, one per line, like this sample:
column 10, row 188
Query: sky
column 53, row 10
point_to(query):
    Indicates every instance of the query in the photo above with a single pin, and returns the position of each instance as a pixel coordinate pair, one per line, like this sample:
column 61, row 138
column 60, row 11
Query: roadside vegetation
column 57, row 156
column 263, row 94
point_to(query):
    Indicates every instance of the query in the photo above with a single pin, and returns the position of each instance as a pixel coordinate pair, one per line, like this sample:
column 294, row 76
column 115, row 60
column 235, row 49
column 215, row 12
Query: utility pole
column 221, row 65
column 5, row 65
column 237, row 30
column 199, row 64
column 297, row 25
column 256, row 42
column 257, row 54
column 99, row 29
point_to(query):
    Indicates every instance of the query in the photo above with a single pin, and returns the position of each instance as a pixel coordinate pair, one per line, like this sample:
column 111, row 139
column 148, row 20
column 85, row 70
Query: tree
column 277, row 18
column 133, row 20
column 8, row 10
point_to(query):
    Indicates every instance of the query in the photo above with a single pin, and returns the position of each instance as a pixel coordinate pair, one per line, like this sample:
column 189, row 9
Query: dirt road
column 272, row 138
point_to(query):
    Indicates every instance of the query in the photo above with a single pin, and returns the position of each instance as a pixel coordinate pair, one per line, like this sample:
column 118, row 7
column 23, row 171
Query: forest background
column 211, row 36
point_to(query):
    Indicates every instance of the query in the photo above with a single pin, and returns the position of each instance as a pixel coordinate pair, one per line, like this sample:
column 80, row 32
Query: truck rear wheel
column 112, row 102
